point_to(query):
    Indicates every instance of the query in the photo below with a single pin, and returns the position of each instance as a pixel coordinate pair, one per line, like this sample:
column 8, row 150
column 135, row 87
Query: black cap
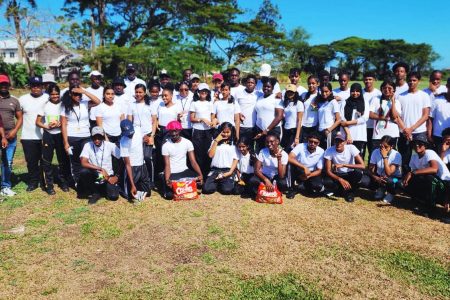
column 119, row 80
column 420, row 139
column 35, row 80
column 131, row 66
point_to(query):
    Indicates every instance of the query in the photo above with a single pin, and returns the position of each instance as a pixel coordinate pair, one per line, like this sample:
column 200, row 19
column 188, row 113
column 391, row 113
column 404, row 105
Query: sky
column 415, row 21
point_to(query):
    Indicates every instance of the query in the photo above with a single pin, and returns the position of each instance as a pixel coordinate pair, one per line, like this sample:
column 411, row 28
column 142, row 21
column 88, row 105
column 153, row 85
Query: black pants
column 201, row 139
column 244, row 189
column 160, row 138
column 167, row 190
column 305, row 132
column 393, row 184
column 288, row 139
column 115, row 139
column 261, row 142
column 370, row 145
column 313, row 185
column 405, row 149
column 361, row 146
column 249, row 133
column 77, row 144
column 149, row 159
column 186, row 133
column 32, row 150
column 353, row 177
column 86, row 186
column 54, row 143
column 225, row 186
column 140, row 179
column 426, row 189
column 437, row 143
column 280, row 182
column 323, row 138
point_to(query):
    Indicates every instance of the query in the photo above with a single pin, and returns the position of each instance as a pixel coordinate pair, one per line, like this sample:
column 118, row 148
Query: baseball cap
column 174, row 125
column 420, row 139
column 194, row 76
column 119, row 80
column 95, row 73
column 339, row 136
column 203, row 86
column 164, row 73
column 131, row 66
column 127, row 128
column 217, row 76
column 265, row 70
column 35, row 80
column 97, row 130
column 4, row 78
column 291, row 87
column 48, row 78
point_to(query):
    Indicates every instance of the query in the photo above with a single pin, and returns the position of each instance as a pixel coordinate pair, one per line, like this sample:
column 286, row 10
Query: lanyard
column 185, row 102
column 95, row 154
column 79, row 114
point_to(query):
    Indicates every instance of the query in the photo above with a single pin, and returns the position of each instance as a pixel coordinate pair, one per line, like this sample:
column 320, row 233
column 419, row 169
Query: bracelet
column 385, row 157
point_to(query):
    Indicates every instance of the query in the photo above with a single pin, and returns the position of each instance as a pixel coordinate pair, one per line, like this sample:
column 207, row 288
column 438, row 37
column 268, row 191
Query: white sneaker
column 6, row 191
column 379, row 193
column 388, row 198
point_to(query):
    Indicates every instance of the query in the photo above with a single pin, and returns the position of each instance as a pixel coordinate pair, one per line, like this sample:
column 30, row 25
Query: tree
column 297, row 48
column 15, row 11
column 318, row 57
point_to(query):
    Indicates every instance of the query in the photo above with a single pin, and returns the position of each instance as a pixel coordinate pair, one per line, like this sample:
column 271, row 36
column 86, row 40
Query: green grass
column 430, row 276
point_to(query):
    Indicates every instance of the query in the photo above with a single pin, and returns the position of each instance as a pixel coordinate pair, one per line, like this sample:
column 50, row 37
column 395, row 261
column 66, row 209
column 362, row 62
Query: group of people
column 131, row 137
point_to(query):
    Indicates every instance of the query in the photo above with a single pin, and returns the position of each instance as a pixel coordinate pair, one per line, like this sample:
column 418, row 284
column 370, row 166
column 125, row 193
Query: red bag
column 263, row 196
column 184, row 189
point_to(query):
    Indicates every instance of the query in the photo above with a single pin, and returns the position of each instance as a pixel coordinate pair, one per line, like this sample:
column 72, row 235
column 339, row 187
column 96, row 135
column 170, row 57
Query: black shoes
column 50, row 191
column 92, row 199
column 290, row 194
column 350, row 197
column 32, row 187
column 64, row 188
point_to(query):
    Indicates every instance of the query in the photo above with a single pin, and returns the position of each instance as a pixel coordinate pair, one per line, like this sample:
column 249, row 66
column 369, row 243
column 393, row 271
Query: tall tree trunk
column 22, row 53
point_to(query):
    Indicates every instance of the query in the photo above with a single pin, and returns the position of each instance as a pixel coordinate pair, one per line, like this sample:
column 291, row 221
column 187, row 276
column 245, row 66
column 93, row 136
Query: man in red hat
column 11, row 115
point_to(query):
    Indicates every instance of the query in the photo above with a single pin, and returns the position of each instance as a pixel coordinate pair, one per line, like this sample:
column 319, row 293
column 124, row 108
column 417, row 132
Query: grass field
column 58, row 247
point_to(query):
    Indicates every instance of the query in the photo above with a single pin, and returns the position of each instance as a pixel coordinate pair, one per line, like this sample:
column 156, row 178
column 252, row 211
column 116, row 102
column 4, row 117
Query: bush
column 18, row 74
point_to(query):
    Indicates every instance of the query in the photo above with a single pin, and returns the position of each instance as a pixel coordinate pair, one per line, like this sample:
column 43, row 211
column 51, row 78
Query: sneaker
column 379, row 193
column 65, row 188
column 350, row 197
column 290, row 194
column 388, row 198
column 50, row 191
column 328, row 193
column 92, row 199
column 7, row 191
column 32, row 187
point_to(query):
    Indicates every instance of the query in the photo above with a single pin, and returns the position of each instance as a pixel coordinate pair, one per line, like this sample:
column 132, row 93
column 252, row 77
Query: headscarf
column 354, row 103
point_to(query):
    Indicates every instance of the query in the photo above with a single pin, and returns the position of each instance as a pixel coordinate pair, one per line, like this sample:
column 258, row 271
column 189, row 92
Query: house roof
column 12, row 44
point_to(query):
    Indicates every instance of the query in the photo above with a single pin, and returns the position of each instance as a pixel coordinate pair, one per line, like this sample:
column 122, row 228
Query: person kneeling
column 270, row 166
column 175, row 151
column 223, row 155
column 136, row 181
column 344, row 168
column 306, row 161
column 385, row 169
column 97, row 174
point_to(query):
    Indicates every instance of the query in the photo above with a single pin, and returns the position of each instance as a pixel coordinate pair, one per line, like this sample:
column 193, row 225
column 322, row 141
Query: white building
column 9, row 51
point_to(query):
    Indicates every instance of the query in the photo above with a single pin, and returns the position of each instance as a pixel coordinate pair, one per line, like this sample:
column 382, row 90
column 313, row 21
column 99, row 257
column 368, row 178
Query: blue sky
column 415, row 21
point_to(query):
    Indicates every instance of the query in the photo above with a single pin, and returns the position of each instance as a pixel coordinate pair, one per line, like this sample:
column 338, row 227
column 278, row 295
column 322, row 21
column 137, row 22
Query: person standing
column 131, row 80
column 96, row 89
column 235, row 81
column 264, row 74
column 371, row 95
column 184, row 97
column 31, row 138
column 400, row 70
column 12, row 118
column 435, row 88
column 342, row 93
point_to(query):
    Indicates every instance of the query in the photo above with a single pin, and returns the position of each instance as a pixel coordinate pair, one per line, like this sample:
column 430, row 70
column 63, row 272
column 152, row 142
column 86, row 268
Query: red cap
column 4, row 78
column 174, row 125
column 217, row 76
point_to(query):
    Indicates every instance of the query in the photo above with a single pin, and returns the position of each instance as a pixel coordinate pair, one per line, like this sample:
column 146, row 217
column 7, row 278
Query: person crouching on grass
column 270, row 166
column 175, row 151
column 224, row 162
column 136, row 182
column 343, row 167
column 97, row 175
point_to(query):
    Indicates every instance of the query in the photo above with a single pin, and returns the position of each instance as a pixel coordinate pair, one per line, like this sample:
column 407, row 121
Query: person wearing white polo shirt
column 264, row 74
column 131, row 80
column 31, row 138
column 306, row 162
column 97, row 175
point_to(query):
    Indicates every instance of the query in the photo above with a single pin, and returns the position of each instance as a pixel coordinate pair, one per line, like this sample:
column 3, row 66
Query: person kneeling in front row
column 343, row 167
column 270, row 166
column 97, row 175
column 175, row 151
column 306, row 162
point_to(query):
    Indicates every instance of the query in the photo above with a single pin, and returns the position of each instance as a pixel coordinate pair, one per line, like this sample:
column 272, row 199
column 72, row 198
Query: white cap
column 203, row 86
column 265, row 70
column 48, row 78
column 95, row 73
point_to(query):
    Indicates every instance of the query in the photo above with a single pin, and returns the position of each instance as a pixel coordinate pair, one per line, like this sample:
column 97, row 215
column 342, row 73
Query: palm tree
column 14, row 11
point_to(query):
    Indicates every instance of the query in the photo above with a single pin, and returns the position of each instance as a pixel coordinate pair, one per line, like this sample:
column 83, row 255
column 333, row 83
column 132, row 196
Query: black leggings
column 225, row 186
column 77, row 144
column 201, row 139
column 54, row 143
column 353, row 177
column 86, row 186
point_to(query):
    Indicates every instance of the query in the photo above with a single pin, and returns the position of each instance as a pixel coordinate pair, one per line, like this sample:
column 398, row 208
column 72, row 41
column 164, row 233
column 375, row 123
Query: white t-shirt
column 77, row 120
column 133, row 148
column 393, row 158
column 244, row 166
column 142, row 116
column 446, row 159
column 111, row 117
column 270, row 163
column 345, row 157
column 99, row 94
column 130, row 85
column 418, row 163
column 327, row 113
column 265, row 110
column 358, row 132
column 177, row 153
column 343, row 95
column 185, row 103
column 412, row 105
column 31, row 106
column 124, row 101
column 51, row 112
column 401, row 89
column 224, row 156
column 259, row 87
column 202, row 110
column 310, row 115
column 247, row 102
column 440, row 112
column 167, row 114
column 300, row 90
column 235, row 90
column 389, row 127
column 312, row 161
column 290, row 114
column 441, row 89
column 371, row 97
column 225, row 112
column 101, row 156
